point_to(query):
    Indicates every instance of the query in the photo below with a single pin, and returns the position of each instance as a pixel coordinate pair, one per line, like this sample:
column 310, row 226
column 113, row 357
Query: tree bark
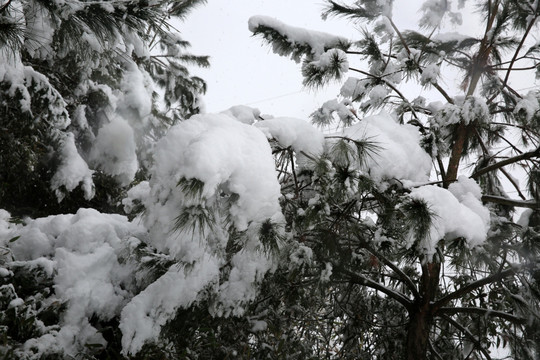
column 421, row 314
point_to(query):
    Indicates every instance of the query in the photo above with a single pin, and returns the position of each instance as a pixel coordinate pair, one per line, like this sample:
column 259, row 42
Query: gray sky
column 245, row 71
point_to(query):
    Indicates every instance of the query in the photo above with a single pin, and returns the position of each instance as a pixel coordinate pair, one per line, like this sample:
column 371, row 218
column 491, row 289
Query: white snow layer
column 400, row 155
column 84, row 250
column 296, row 133
column 458, row 212
column 244, row 114
column 72, row 171
column 316, row 40
column 228, row 157
column 114, row 150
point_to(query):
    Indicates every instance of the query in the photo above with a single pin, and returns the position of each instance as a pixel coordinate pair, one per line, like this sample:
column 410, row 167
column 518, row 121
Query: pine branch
column 488, row 155
column 530, row 204
column 516, row 53
column 475, row 285
column 387, row 83
column 404, row 277
column 404, row 43
column 362, row 280
column 474, row 340
column 485, row 312
column 512, row 160
column 5, row 6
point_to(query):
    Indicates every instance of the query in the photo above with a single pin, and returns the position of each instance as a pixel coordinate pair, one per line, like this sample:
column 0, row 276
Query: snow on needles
column 398, row 156
column 203, row 164
column 297, row 133
column 318, row 41
column 72, row 171
column 457, row 212
column 83, row 250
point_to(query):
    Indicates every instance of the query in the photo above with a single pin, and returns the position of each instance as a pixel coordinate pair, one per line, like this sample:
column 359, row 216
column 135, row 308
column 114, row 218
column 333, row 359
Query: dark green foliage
column 76, row 71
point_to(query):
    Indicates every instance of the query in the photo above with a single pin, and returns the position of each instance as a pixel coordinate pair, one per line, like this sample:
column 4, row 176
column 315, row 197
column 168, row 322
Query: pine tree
column 384, row 233
column 386, row 278
column 73, row 77
column 86, row 89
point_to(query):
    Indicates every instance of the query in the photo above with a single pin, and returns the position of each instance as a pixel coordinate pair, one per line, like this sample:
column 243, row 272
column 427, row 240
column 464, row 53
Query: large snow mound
column 399, row 155
column 82, row 253
column 203, row 166
column 458, row 212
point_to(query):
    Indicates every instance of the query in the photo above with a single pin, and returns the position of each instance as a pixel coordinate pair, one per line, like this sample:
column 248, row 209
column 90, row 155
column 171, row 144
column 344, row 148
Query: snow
column 72, row 171
column 524, row 218
column 226, row 155
column 467, row 110
column 528, row 106
column 296, row 133
column 400, row 155
column 137, row 87
column 137, row 193
column 146, row 313
column 457, row 212
column 114, row 150
column 378, row 94
column 317, row 41
column 450, row 37
column 82, row 251
column 430, row 74
column 329, row 59
column 324, row 115
column 354, row 88
column 434, row 12
column 39, row 31
column 244, row 114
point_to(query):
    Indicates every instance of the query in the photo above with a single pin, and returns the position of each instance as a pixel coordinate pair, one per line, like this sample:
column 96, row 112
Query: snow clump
column 457, row 212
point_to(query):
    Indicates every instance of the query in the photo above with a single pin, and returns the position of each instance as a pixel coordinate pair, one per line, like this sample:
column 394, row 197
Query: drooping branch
column 475, row 285
column 485, row 312
column 466, row 332
column 362, row 280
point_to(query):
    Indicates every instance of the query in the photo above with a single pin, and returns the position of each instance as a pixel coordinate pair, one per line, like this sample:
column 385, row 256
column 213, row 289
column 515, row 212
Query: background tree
column 82, row 91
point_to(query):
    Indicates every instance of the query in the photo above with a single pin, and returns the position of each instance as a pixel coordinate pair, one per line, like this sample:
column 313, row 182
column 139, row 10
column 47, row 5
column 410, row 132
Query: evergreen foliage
column 379, row 292
column 71, row 68
column 391, row 237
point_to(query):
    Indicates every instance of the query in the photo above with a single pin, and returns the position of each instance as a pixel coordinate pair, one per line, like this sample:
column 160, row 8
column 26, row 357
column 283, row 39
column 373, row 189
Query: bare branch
column 512, row 160
column 530, row 204
column 475, row 285
column 485, row 312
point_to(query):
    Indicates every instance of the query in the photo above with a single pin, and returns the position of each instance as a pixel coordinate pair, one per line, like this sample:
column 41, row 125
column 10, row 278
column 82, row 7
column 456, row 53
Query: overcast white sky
column 245, row 71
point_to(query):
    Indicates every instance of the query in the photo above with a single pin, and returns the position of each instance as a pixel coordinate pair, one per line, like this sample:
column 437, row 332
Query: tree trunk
column 418, row 333
column 421, row 314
